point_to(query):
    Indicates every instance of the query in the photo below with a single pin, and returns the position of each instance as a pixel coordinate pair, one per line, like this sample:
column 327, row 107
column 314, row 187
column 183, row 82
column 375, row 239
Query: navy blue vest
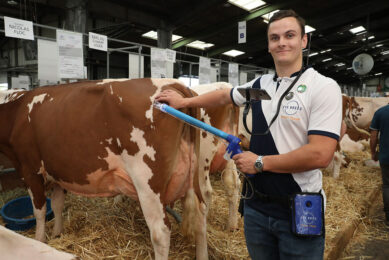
column 276, row 184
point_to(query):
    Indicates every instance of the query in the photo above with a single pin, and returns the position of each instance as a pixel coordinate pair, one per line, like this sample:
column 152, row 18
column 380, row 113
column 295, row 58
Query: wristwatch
column 258, row 165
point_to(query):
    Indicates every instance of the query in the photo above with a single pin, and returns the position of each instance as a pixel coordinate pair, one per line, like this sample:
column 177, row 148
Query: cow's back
column 77, row 133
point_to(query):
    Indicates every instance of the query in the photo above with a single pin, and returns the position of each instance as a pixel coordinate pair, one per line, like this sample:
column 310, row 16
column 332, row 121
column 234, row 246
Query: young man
column 302, row 139
column 380, row 124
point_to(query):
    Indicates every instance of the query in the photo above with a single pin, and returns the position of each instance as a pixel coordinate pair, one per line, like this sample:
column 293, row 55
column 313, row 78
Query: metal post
column 190, row 74
column 140, row 61
column 107, row 65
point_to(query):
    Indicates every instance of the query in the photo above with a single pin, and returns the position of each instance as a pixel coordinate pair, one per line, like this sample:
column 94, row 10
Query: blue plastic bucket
column 15, row 213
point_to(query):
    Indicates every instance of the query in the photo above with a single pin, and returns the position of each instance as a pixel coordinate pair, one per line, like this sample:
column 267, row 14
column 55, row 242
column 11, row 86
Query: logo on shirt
column 291, row 108
column 289, row 96
column 301, row 88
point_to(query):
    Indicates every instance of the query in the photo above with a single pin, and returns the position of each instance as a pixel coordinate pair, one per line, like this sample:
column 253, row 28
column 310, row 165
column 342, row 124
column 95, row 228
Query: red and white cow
column 15, row 246
column 358, row 113
column 212, row 150
column 104, row 138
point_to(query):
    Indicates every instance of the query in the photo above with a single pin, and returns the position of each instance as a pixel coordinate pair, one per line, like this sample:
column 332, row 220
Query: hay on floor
column 100, row 229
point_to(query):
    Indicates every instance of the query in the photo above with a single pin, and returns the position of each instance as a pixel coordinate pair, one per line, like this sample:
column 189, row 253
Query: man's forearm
column 212, row 99
column 308, row 157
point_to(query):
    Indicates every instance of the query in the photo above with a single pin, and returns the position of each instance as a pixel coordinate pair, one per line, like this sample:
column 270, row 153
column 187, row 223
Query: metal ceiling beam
column 336, row 18
column 224, row 26
column 193, row 11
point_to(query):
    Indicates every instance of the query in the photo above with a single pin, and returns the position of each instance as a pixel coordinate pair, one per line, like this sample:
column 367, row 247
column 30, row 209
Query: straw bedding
column 100, row 229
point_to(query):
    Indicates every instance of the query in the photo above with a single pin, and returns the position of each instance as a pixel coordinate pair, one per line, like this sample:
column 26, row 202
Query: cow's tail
column 189, row 216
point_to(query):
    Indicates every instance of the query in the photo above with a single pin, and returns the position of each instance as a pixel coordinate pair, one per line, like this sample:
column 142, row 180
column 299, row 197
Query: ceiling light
column 385, row 52
column 309, row 29
column 154, row 35
column 340, row 64
column 266, row 17
column 350, row 68
column 379, row 73
column 233, row 53
column 326, row 51
column 200, row 45
column 357, row 29
column 247, row 4
column 313, row 54
column 370, row 37
column 12, row 2
column 379, row 45
column 325, row 60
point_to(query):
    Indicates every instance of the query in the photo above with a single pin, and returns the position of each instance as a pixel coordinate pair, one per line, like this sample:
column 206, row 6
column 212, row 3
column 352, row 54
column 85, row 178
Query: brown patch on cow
column 206, row 160
column 206, row 168
column 204, row 134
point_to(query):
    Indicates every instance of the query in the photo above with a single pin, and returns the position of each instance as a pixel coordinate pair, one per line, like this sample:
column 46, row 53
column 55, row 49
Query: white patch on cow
column 35, row 100
column 109, row 140
column 205, row 88
column 121, row 99
column 158, row 83
column 118, row 141
column 140, row 173
column 42, row 168
column 111, row 80
column 51, row 99
column 40, row 219
column 110, row 87
column 10, row 95
column 137, row 137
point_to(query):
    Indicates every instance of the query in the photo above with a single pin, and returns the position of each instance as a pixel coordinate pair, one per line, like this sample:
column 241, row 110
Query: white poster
column 97, row 41
column 134, row 67
column 233, row 74
column 158, row 63
column 204, row 70
column 242, row 32
column 20, row 82
column 17, row 28
column 24, row 82
column 170, row 55
column 71, row 60
column 48, row 73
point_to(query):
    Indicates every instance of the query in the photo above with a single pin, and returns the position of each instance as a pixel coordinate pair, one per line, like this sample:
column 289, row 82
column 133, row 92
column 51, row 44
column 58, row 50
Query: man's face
column 285, row 42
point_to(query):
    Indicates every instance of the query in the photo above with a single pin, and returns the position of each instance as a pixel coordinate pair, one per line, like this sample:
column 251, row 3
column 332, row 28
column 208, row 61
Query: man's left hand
column 245, row 162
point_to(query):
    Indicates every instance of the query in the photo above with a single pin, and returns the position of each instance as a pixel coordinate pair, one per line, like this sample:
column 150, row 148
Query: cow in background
column 15, row 246
column 212, row 149
column 104, row 138
column 358, row 113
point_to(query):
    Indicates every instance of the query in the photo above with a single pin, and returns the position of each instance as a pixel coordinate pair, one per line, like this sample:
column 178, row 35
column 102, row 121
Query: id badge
column 308, row 214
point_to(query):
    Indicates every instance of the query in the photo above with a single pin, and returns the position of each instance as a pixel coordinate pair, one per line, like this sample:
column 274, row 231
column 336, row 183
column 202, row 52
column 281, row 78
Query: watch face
column 258, row 164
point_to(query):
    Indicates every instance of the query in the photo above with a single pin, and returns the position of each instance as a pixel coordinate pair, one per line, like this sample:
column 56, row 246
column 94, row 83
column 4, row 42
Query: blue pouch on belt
column 307, row 214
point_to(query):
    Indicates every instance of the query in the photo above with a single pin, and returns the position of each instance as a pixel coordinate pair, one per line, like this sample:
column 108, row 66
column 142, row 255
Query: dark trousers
column 385, row 188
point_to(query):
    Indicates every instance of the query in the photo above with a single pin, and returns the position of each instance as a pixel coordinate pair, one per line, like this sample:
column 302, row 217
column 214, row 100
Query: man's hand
column 245, row 162
column 172, row 98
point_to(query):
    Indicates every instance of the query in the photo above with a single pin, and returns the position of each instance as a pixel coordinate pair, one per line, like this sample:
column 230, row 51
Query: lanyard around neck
column 248, row 105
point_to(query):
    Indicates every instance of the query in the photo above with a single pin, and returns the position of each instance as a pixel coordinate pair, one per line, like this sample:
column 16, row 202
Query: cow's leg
column 231, row 186
column 156, row 219
column 38, row 199
column 57, row 203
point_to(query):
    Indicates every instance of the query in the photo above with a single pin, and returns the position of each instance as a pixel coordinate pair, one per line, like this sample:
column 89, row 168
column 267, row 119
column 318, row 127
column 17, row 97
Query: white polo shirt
column 313, row 106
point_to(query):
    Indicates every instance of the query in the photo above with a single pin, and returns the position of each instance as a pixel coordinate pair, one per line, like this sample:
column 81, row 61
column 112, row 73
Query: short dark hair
column 288, row 13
